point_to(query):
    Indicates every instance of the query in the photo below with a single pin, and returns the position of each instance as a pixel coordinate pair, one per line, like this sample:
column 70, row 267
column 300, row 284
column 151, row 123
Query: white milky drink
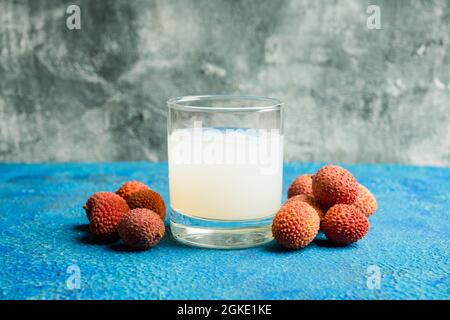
column 225, row 174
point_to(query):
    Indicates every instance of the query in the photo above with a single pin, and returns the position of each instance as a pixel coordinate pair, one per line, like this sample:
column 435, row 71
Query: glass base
column 217, row 234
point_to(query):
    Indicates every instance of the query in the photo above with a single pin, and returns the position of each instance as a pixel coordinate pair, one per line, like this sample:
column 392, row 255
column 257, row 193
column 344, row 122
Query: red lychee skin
column 107, row 209
column 345, row 224
column 309, row 200
column 141, row 228
column 295, row 225
column 301, row 185
column 366, row 201
column 334, row 185
column 148, row 199
column 130, row 187
column 96, row 197
column 90, row 204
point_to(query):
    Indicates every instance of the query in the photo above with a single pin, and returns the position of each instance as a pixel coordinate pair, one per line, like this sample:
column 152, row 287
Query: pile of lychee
column 331, row 201
column 135, row 213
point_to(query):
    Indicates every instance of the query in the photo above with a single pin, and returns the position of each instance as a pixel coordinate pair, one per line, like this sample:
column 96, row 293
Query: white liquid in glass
column 226, row 174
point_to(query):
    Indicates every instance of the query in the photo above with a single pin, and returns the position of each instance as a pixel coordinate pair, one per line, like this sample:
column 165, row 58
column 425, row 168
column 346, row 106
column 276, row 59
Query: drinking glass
column 225, row 169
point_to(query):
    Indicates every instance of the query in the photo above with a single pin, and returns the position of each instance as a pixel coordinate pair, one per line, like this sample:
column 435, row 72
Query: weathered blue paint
column 43, row 231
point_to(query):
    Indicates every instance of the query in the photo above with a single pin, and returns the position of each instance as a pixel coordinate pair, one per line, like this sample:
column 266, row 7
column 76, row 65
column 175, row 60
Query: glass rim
column 187, row 103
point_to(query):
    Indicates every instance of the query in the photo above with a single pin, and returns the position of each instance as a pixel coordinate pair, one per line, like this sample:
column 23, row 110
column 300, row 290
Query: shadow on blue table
column 116, row 244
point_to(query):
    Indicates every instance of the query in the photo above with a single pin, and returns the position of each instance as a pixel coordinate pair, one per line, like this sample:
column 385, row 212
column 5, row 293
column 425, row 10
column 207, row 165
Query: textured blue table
column 43, row 231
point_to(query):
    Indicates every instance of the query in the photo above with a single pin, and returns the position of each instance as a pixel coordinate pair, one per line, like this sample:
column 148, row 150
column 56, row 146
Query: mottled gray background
column 98, row 94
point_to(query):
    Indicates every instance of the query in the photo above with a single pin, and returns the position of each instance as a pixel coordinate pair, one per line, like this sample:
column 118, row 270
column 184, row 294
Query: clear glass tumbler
column 225, row 169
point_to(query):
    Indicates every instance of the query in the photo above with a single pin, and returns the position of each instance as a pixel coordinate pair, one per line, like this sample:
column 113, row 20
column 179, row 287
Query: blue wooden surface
column 43, row 231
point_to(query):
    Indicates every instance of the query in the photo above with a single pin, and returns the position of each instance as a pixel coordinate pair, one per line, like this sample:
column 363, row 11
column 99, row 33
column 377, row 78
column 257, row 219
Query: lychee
column 141, row 228
column 365, row 201
column 148, row 199
column 301, row 185
column 333, row 184
column 90, row 203
column 345, row 224
column 130, row 187
column 309, row 200
column 295, row 225
column 105, row 211
column 97, row 198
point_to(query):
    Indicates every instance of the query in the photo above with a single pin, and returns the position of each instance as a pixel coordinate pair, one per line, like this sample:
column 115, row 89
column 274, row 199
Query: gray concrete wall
column 98, row 94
